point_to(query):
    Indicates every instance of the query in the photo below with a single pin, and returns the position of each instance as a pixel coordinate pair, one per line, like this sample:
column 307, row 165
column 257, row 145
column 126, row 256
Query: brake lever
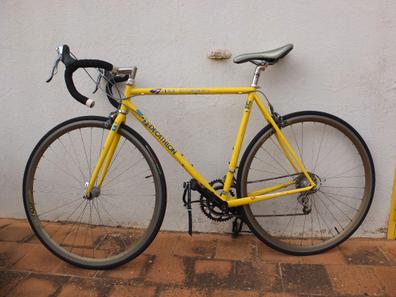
column 55, row 68
column 100, row 75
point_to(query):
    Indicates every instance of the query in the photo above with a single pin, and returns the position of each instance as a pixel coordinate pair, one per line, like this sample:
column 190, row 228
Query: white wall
column 343, row 63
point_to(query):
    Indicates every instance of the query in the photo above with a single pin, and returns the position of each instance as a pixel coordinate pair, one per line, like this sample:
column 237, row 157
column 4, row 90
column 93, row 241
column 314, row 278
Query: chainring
column 210, row 209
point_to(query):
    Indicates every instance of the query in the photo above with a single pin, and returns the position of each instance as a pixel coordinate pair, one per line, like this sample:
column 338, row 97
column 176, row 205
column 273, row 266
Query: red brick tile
column 389, row 249
column 270, row 255
column 175, row 292
column 73, row 289
column 363, row 254
column 259, row 275
column 57, row 232
column 34, row 287
column 333, row 256
column 310, row 279
column 196, row 245
column 132, row 291
column 130, row 270
column 364, row 242
column 70, row 270
column 38, row 258
column 11, row 252
column 9, row 280
column 354, row 280
column 17, row 231
column 270, row 294
column 166, row 269
column 77, row 237
column 242, row 248
column 387, row 277
column 85, row 287
column 5, row 222
column 235, row 293
column 213, row 273
column 220, row 268
column 163, row 244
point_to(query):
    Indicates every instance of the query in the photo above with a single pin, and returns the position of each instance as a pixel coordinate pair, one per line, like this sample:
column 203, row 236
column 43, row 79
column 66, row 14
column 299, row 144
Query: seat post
column 259, row 68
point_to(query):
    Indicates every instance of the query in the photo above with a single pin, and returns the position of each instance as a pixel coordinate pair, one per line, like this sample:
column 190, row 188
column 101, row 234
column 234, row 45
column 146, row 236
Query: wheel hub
column 95, row 192
column 302, row 182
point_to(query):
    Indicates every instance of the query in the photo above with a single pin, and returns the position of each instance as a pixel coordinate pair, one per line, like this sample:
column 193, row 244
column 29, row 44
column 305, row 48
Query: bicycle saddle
column 271, row 57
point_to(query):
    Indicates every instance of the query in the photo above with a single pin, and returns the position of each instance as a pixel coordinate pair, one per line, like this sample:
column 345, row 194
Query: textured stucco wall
column 343, row 63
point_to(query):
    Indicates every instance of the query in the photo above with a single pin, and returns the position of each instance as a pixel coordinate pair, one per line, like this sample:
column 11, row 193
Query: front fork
column 107, row 153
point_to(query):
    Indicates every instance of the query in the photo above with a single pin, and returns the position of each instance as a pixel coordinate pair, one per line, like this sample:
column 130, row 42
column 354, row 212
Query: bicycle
column 95, row 193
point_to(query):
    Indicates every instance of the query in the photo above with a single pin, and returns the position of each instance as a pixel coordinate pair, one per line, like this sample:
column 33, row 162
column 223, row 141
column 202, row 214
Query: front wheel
column 337, row 159
column 121, row 218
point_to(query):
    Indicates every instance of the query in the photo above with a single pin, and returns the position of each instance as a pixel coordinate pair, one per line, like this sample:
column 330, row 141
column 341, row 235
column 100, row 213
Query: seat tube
column 237, row 146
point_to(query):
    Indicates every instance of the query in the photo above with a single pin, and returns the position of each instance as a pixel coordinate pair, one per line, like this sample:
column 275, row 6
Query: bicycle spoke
column 75, row 154
column 276, row 161
column 320, row 146
column 331, row 200
column 268, row 164
column 331, row 213
column 85, row 153
column 71, row 157
column 58, row 207
column 117, row 219
column 123, row 172
column 311, row 223
column 64, row 171
column 298, row 147
column 346, row 204
column 342, row 195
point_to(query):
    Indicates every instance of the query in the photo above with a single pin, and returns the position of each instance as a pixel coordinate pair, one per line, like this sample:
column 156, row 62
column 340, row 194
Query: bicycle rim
column 107, row 230
column 339, row 161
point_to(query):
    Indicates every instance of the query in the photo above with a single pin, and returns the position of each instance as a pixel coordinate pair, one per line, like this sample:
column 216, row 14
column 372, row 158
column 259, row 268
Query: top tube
column 131, row 91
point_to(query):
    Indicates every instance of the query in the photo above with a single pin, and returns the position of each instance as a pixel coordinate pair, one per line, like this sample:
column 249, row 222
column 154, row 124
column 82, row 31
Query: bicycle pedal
column 187, row 204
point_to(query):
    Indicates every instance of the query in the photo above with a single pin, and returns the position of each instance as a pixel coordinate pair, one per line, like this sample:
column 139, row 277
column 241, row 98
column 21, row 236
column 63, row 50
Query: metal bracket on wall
column 392, row 215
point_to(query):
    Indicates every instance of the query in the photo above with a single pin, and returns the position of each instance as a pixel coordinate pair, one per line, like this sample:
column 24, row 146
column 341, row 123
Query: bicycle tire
column 267, row 226
column 113, row 230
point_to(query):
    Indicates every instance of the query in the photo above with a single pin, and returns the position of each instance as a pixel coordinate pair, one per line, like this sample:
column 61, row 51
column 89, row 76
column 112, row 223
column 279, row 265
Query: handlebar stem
column 130, row 71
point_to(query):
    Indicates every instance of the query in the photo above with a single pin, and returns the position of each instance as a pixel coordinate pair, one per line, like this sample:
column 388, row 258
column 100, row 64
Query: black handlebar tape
column 109, row 92
column 73, row 66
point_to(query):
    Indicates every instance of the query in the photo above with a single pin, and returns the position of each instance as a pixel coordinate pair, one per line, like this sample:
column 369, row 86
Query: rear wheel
column 340, row 163
column 121, row 218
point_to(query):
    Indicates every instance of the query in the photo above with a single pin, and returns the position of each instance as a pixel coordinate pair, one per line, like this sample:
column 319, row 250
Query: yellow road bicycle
column 95, row 194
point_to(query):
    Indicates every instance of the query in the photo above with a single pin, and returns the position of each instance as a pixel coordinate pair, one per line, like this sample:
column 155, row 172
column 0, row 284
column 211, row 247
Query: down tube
column 169, row 147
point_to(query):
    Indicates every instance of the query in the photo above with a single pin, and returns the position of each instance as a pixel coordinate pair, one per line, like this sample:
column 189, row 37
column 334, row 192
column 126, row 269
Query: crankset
column 215, row 202
column 212, row 207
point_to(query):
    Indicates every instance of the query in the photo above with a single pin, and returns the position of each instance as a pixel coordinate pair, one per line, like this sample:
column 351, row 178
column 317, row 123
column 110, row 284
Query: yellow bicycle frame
column 263, row 194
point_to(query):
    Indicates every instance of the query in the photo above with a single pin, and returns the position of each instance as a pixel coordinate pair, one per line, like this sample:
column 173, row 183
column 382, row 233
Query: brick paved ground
column 176, row 265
